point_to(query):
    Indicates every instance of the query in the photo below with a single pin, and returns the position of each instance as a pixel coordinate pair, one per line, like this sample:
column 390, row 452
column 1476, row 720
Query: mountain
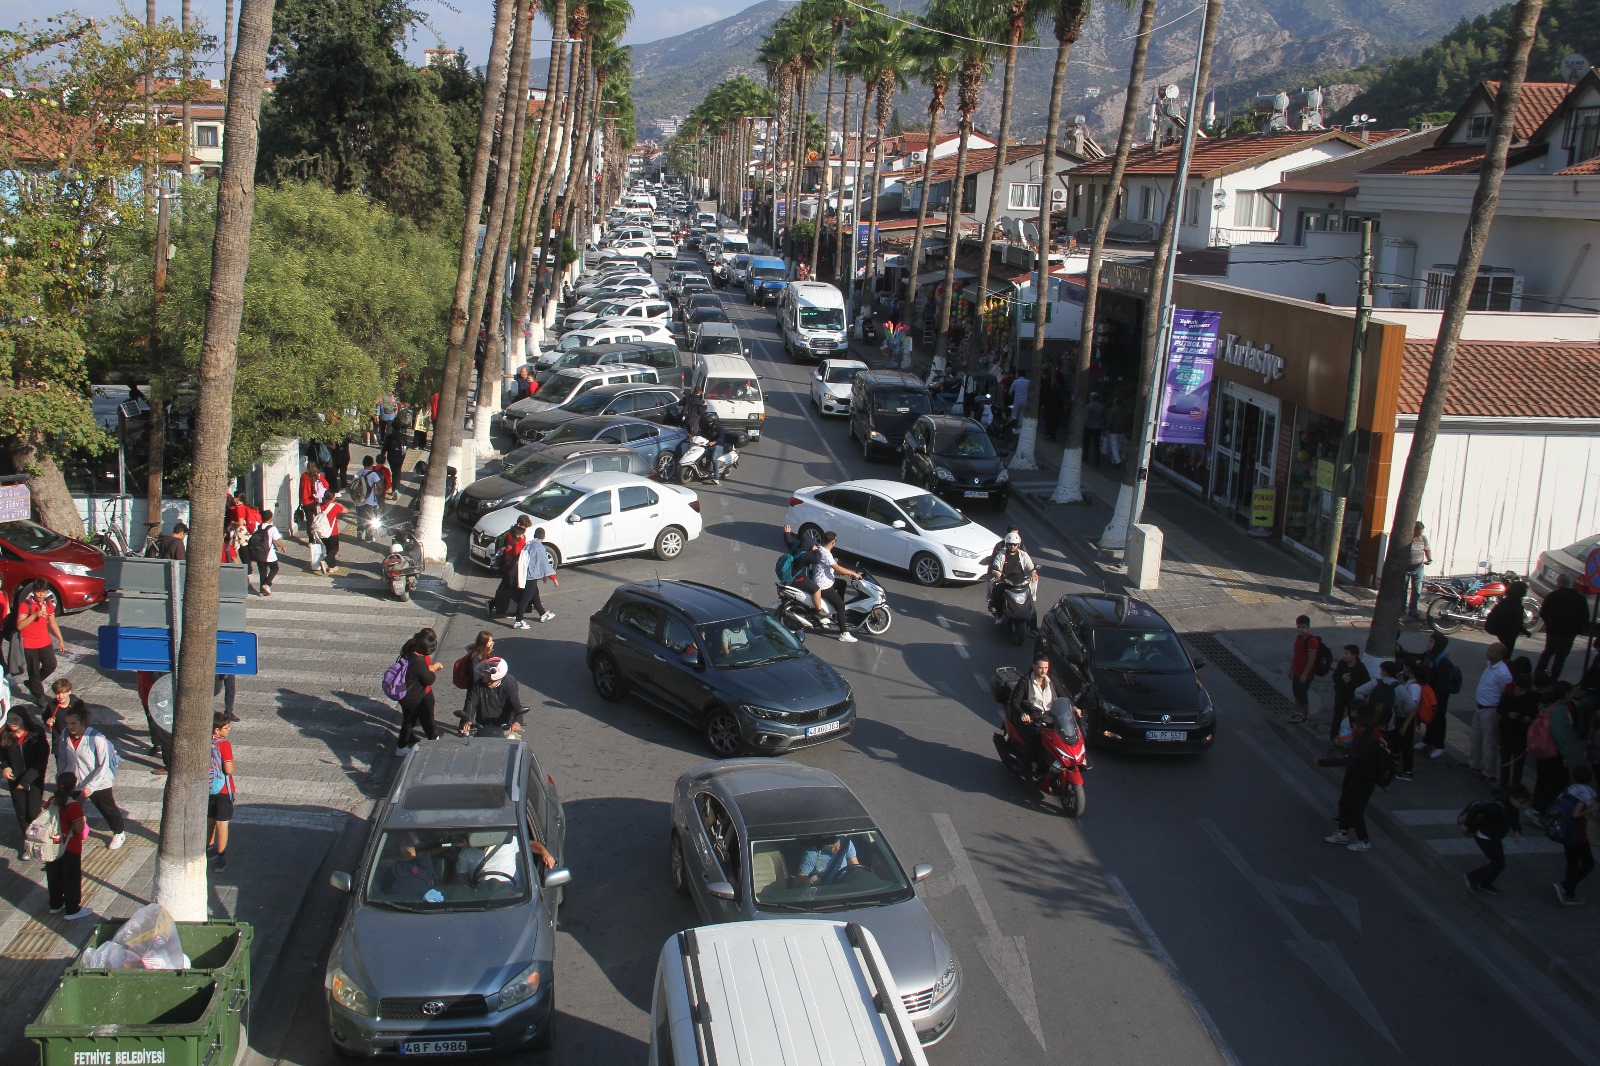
column 1263, row 44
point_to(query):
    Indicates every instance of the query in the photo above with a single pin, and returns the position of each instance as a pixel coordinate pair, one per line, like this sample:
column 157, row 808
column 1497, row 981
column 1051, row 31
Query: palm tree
column 810, row 44
column 1069, row 18
column 939, row 66
column 975, row 22
column 529, row 235
column 180, row 865
column 776, row 56
column 1069, row 483
column 1385, row 628
column 859, row 58
column 840, row 15
column 895, row 66
column 447, row 427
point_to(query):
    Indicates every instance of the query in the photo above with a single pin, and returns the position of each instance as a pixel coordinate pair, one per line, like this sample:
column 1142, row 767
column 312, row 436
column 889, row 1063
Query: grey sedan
column 757, row 839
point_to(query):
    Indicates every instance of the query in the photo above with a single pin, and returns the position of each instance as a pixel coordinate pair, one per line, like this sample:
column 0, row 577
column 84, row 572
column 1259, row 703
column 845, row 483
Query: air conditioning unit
column 1058, row 196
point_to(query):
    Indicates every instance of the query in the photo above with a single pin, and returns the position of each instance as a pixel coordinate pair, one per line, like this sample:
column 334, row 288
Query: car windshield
column 754, row 640
column 769, row 273
column 963, row 444
column 590, row 403
column 839, row 375
column 821, row 317
column 717, row 345
column 30, row 536
column 443, row 870
column 570, row 342
column 1143, row 651
column 559, row 390
column 903, row 402
column 702, row 315
column 931, row 513
column 550, row 502
column 834, row 871
column 533, row 469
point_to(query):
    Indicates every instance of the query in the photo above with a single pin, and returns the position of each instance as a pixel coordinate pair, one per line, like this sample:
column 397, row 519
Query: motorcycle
column 402, row 567
column 946, row 392
column 866, row 606
column 695, row 463
column 720, row 275
column 1002, row 428
column 1457, row 602
column 1017, row 601
column 869, row 330
column 1060, row 740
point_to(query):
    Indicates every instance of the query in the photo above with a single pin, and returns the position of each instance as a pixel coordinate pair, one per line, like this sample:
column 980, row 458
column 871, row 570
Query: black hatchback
column 1124, row 667
column 719, row 662
column 953, row 457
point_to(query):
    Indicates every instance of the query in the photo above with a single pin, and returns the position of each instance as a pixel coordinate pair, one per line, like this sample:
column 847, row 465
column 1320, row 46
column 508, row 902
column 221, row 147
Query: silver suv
column 448, row 946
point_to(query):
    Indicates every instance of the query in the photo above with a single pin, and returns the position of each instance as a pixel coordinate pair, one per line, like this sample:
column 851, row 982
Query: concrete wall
column 1506, row 494
column 1273, row 268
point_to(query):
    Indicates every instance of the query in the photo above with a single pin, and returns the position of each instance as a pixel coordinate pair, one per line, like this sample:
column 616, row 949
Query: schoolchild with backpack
column 1553, row 744
column 1392, row 706
column 1349, row 675
column 1567, row 823
column 1434, row 670
column 219, row 808
column 1488, row 822
column 1367, row 766
column 1312, row 659
column 409, row 682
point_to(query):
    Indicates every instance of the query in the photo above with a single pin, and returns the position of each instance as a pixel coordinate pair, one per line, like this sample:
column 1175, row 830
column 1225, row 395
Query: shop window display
column 1312, row 469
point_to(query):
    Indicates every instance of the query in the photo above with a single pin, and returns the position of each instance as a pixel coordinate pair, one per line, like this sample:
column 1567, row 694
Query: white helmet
column 1013, row 538
column 397, row 549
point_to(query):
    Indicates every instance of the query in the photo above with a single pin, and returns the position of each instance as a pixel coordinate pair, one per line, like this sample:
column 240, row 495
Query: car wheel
column 812, row 530
column 1072, row 801
column 670, row 542
column 722, row 733
column 554, row 555
column 28, row 589
column 927, row 570
column 607, row 677
column 666, row 466
column 678, row 870
column 878, row 621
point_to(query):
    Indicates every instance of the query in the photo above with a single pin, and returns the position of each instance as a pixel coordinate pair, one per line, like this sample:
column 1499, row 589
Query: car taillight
column 794, row 501
column 695, row 505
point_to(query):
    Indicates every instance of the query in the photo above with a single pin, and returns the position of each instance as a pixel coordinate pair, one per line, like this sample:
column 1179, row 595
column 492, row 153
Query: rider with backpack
column 1312, row 659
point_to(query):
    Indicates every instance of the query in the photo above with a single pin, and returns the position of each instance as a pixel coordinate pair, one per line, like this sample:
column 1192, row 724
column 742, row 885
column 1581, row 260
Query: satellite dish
column 1574, row 67
column 1170, row 92
column 1280, row 102
column 1314, row 98
column 1080, row 121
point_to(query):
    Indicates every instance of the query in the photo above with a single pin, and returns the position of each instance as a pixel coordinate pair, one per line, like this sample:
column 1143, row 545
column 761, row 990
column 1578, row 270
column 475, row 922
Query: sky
column 468, row 26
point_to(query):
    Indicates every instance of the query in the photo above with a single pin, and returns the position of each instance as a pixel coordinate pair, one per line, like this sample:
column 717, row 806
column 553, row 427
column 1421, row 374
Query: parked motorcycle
column 1060, row 739
column 1002, row 428
column 695, row 462
column 402, row 567
column 1018, row 599
column 1457, row 601
column 866, row 606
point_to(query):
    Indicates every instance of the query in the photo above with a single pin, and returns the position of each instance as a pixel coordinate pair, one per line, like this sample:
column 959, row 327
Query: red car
column 31, row 554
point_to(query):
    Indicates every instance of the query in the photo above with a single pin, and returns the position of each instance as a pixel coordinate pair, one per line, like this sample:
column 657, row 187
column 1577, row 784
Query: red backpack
column 1427, row 704
column 1541, row 745
column 461, row 673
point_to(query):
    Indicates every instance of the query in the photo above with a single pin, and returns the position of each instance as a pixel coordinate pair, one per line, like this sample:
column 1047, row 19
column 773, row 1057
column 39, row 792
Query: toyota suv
column 448, row 944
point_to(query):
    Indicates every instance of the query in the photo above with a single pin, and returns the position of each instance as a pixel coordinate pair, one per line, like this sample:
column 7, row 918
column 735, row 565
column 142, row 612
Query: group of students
column 493, row 699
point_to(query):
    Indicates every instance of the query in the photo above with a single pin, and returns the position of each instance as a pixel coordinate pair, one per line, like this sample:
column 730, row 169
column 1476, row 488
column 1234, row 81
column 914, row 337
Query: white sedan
column 659, row 330
column 830, row 384
column 598, row 515
column 897, row 524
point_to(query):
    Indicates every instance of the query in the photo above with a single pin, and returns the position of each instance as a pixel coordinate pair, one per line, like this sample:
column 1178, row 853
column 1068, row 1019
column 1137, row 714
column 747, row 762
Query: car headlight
column 1005, row 476
column 75, row 569
column 1208, row 712
column 522, row 987
column 946, row 982
column 961, row 553
column 879, row 437
column 942, row 474
column 767, row 713
column 1113, row 712
column 347, row 993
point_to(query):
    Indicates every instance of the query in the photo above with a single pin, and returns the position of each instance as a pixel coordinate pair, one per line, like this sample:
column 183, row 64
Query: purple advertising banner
column 1186, row 397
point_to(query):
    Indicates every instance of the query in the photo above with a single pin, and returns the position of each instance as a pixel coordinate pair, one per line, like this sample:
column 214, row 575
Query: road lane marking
column 943, row 621
column 1171, row 964
column 740, row 568
column 961, row 650
column 1006, row 956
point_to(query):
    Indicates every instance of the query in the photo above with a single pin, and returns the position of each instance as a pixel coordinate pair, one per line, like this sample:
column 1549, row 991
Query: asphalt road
column 1193, row 914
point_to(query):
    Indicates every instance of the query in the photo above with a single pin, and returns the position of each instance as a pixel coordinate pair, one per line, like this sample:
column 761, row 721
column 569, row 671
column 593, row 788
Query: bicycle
column 112, row 541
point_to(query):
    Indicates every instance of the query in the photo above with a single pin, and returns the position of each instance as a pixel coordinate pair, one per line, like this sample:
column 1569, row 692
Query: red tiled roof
column 982, row 159
column 1539, row 101
column 1588, row 166
column 1450, row 159
column 1329, row 188
column 1220, row 155
column 1502, row 380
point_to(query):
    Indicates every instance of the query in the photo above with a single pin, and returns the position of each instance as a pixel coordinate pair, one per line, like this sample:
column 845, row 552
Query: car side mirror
column 573, row 519
column 1198, row 664
column 817, row 375
column 557, row 877
column 340, row 880
column 921, row 872
column 899, row 523
column 721, row 890
column 690, row 658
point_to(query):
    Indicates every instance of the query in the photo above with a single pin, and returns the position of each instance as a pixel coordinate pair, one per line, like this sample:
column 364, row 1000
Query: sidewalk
column 1235, row 598
column 315, row 748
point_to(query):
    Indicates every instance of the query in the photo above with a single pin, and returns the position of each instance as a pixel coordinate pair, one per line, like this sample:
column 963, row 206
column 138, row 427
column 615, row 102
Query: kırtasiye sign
column 1262, row 360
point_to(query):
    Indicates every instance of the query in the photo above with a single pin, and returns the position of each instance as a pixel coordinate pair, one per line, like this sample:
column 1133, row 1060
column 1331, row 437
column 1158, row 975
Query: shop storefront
column 1274, row 416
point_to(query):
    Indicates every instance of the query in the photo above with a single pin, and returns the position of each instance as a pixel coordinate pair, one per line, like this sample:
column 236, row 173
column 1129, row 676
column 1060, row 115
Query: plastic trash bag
column 151, row 936
column 110, row 956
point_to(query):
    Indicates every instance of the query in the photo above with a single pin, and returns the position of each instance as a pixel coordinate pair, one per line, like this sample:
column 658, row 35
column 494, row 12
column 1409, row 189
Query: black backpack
column 259, row 544
column 1384, row 773
column 1324, row 656
column 1380, row 704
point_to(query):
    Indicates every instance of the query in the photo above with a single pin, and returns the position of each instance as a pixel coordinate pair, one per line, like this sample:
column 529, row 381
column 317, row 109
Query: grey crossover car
column 448, row 946
column 755, row 839
column 721, row 663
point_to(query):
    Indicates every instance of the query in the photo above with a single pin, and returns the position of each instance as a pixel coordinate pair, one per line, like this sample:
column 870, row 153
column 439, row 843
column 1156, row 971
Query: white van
column 791, row 990
column 812, row 321
column 731, row 243
column 732, row 390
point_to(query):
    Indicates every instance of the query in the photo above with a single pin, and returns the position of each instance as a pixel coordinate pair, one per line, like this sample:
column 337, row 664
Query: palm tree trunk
column 1021, row 460
column 1069, row 482
column 1068, row 30
column 797, row 180
column 1385, row 628
column 838, row 216
column 953, row 232
column 849, row 262
column 529, row 238
column 885, row 103
column 181, row 858
column 545, row 287
column 447, row 427
column 1152, row 357
column 935, row 110
column 827, row 171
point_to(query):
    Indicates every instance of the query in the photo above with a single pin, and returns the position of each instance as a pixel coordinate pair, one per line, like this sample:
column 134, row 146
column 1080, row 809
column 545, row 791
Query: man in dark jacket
column 1564, row 612
column 1488, row 821
column 493, row 700
column 1360, row 778
column 1030, row 699
column 1349, row 674
column 1434, row 669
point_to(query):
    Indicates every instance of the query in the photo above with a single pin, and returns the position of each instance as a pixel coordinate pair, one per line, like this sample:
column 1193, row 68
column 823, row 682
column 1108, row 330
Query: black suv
column 883, row 404
column 721, row 663
column 952, row 457
column 1123, row 665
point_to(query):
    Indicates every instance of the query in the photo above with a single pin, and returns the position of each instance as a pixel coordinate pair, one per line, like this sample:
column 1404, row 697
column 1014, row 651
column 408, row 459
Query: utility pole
column 1352, row 402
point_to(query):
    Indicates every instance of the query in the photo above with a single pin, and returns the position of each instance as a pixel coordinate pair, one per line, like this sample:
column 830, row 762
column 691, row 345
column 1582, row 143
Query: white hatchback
column 897, row 524
column 831, row 382
column 598, row 515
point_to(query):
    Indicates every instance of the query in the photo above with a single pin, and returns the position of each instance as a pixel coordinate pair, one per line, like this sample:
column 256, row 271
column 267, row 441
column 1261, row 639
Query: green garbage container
column 217, row 949
column 166, row 1019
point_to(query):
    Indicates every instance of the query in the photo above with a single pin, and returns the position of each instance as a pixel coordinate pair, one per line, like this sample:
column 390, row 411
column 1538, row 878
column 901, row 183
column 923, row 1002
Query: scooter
column 720, row 275
column 866, row 606
column 1002, row 428
column 1018, row 618
column 1457, row 602
column 403, row 565
column 1060, row 740
column 695, row 463
column 869, row 329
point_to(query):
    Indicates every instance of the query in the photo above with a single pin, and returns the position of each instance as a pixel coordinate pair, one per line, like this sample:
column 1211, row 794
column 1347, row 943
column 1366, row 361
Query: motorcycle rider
column 1031, row 699
column 822, row 583
column 1010, row 562
column 717, row 440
